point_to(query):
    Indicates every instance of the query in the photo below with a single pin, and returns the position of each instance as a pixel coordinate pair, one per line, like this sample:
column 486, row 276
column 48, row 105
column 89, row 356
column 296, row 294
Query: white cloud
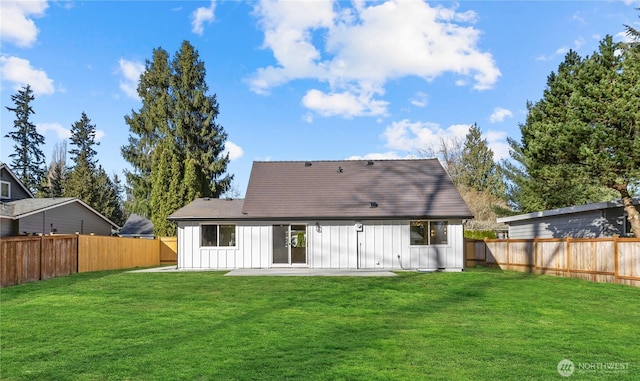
column 61, row 132
column 130, row 71
column 418, row 136
column 202, row 15
column 346, row 104
column 390, row 155
column 499, row 114
column 408, row 136
column 420, row 99
column 234, row 150
column 356, row 49
column 16, row 23
column 19, row 72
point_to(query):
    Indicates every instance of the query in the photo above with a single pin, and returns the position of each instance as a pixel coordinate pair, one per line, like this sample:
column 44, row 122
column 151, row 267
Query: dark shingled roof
column 374, row 189
column 137, row 226
column 207, row 208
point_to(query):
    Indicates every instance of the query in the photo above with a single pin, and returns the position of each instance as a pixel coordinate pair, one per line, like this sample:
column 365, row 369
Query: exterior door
column 289, row 245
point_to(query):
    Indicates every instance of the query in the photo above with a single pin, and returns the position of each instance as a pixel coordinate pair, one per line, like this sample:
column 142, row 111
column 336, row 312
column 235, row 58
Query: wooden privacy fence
column 25, row 259
column 608, row 260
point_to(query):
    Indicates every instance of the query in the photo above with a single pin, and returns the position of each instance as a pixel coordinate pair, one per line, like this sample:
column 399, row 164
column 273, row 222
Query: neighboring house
column 11, row 188
column 137, row 227
column 21, row 213
column 602, row 219
column 382, row 214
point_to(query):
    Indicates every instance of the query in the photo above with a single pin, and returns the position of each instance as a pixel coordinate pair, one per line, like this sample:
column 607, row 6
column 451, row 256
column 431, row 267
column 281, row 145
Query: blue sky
column 302, row 80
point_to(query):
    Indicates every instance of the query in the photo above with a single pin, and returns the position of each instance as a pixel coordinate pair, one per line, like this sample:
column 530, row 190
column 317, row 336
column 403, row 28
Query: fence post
column 535, row 255
column 615, row 259
column 508, row 248
column 567, row 247
column 40, row 252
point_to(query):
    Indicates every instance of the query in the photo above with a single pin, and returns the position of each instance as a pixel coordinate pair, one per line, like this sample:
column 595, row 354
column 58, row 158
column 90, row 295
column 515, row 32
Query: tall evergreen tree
column 547, row 182
column 109, row 204
column 175, row 146
column 148, row 126
column 584, row 134
column 28, row 160
column 81, row 180
column 478, row 170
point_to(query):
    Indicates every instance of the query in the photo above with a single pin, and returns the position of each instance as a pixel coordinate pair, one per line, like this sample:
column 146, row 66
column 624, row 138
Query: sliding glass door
column 289, row 244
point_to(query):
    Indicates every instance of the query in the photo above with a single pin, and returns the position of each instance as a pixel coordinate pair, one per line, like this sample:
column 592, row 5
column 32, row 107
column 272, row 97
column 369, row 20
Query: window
column 428, row 233
column 5, row 189
column 218, row 235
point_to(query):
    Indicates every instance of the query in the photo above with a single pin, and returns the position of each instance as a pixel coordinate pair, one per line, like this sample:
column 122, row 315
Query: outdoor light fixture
column 318, row 228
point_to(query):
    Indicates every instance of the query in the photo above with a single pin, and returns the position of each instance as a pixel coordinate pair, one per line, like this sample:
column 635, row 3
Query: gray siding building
column 603, row 219
column 21, row 213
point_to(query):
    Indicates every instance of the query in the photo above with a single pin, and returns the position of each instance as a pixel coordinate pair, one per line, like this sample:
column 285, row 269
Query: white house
column 382, row 214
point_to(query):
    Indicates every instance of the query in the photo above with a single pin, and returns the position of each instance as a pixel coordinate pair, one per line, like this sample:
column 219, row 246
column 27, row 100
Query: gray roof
column 566, row 210
column 207, row 208
column 340, row 189
column 137, row 226
column 23, row 208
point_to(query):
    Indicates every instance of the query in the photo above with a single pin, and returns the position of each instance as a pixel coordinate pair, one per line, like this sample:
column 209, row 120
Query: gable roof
column 15, row 210
column 137, row 226
column 10, row 172
column 353, row 189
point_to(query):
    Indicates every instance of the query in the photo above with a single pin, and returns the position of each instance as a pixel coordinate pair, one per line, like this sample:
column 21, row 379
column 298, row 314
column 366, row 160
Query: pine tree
column 548, row 154
column 148, row 126
column 28, row 160
column 478, row 170
column 109, row 204
column 584, row 134
column 175, row 146
column 81, row 180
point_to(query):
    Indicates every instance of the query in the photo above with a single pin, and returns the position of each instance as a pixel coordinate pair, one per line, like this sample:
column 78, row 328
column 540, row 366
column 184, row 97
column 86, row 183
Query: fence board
column 19, row 260
column 605, row 260
column 169, row 250
column 96, row 253
column 27, row 259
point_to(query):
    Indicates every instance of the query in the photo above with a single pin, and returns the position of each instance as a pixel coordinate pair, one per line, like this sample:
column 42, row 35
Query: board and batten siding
column 330, row 245
column 65, row 219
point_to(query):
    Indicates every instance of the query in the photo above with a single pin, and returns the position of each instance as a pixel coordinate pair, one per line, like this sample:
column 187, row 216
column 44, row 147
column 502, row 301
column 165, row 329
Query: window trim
column 2, row 182
column 218, row 225
column 447, row 230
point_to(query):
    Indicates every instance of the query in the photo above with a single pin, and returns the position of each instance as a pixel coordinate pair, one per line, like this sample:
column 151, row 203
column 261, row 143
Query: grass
column 481, row 324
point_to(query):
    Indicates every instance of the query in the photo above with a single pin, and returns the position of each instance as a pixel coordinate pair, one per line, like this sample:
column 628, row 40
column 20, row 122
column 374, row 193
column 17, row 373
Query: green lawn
column 480, row 324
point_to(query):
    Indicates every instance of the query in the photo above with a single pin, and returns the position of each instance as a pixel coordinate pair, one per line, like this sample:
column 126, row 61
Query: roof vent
column 373, row 204
column 339, row 169
column 206, row 199
column 307, row 163
column 369, row 162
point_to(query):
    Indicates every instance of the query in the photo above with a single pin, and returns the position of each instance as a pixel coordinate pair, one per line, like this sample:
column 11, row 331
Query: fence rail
column 27, row 259
column 606, row 260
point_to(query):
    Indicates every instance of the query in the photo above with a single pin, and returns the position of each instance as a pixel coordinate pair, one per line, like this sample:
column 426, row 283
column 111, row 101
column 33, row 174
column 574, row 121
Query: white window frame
column 2, row 183
column 429, row 222
column 218, row 225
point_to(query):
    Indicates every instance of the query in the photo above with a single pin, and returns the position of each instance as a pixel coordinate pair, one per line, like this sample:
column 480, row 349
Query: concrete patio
column 280, row 271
